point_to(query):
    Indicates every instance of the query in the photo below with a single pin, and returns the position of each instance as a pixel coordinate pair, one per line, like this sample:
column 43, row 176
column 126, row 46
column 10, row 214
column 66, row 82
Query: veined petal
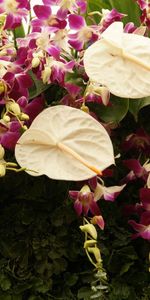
column 76, row 22
column 42, row 11
column 111, row 192
column 78, row 207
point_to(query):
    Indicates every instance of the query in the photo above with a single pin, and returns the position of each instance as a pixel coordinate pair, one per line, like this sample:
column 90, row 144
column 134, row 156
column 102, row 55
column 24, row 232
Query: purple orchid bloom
column 142, row 228
column 108, row 17
column 84, row 33
column 15, row 10
column 46, row 18
column 9, row 134
column 84, row 201
column 66, row 7
column 139, row 141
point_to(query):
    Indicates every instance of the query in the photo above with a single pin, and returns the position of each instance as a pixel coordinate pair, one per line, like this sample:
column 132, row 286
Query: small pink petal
column 42, row 11
column 78, row 207
column 145, row 198
column 76, row 22
column 73, row 194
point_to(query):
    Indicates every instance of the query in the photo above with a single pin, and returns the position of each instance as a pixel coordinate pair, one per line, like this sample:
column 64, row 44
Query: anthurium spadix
column 65, row 143
column 121, row 62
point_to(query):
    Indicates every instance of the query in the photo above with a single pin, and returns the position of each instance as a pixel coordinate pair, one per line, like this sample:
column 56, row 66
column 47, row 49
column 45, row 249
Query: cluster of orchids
column 51, row 52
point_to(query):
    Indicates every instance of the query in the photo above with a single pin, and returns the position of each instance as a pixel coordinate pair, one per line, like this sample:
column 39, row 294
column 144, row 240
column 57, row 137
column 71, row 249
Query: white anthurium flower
column 108, row 193
column 147, row 168
column 121, row 62
column 65, row 143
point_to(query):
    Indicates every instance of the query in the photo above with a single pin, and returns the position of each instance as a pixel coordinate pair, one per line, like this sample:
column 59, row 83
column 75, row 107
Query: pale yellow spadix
column 121, row 62
column 65, row 143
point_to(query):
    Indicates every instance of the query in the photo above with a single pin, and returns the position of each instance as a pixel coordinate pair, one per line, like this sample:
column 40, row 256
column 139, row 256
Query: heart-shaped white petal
column 65, row 143
column 121, row 62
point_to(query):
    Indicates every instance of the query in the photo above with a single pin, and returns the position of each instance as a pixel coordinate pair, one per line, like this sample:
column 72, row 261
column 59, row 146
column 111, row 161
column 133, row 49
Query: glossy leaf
column 38, row 86
column 114, row 112
column 120, row 61
column 65, row 143
column 128, row 7
column 136, row 105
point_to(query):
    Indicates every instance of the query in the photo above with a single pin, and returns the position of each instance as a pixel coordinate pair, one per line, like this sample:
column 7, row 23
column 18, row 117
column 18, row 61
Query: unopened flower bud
column 90, row 243
column 14, row 108
column 3, row 87
column 85, row 109
column 23, row 117
column 90, row 229
column 35, row 62
column 24, row 127
column 2, row 170
column 46, row 73
column 6, row 118
column 96, row 252
column 2, row 152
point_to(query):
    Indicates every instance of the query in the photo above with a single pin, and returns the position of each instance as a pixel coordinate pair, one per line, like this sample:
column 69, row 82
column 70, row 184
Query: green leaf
column 115, row 112
column 84, row 294
column 19, row 32
column 136, row 104
column 128, row 7
column 38, row 86
column 97, row 5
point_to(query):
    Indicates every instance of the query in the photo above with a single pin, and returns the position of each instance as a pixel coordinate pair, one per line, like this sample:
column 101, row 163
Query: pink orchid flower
column 84, row 201
column 15, row 10
column 67, row 6
column 142, row 228
column 83, row 34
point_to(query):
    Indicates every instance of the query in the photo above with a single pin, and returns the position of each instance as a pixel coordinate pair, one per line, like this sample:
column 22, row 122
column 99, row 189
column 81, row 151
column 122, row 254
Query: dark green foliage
column 41, row 254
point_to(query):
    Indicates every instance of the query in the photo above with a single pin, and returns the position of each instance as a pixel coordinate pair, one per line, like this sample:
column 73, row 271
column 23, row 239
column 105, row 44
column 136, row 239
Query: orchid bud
column 85, row 109
column 2, row 170
column 104, row 93
column 14, row 108
column 3, row 87
column 46, row 73
column 35, row 62
column 2, row 152
column 23, row 117
column 90, row 229
column 90, row 243
column 6, row 119
column 24, row 127
column 96, row 252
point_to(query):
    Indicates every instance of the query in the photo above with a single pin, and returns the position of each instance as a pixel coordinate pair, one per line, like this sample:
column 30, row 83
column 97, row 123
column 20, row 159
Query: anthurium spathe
column 80, row 152
column 114, row 62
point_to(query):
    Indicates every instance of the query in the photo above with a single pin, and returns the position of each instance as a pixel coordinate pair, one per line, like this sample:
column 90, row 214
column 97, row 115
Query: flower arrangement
column 75, row 141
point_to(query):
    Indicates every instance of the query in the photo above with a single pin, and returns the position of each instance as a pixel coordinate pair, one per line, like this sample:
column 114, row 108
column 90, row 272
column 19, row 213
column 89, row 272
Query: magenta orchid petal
column 93, row 182
column 99, row 221
column 136, row 226
column 145, row 218
column 42, row 11
column 34, row 108
column 82, row 4
column 145, row 198
column 94, row 208
column 78, row 207
column 76, row 44
column 76, row 22
column 73, row 194
column 112, row 192
column 62, row 13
